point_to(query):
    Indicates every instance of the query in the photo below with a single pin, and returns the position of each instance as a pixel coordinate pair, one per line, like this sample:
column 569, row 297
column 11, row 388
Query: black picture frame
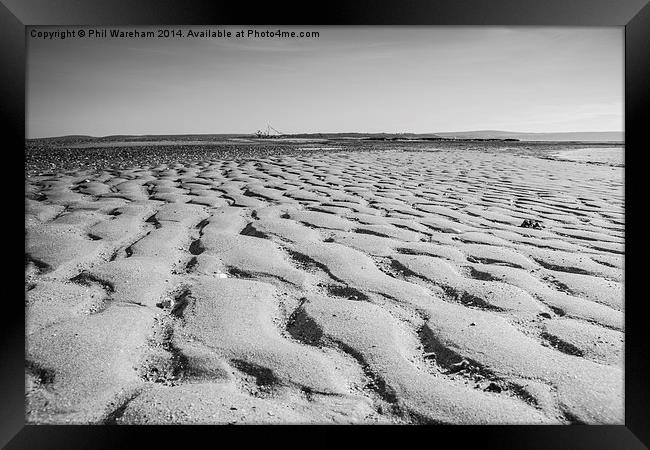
column 634, row 15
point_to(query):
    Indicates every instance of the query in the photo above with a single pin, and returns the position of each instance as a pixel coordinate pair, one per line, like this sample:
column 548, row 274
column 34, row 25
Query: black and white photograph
column 324, row 225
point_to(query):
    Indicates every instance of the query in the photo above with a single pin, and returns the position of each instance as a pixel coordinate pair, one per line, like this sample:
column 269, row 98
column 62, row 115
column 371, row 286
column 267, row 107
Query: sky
column 349, row 79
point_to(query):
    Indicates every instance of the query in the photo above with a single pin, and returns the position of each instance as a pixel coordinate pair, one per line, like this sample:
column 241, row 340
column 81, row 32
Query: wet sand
column 385, row 286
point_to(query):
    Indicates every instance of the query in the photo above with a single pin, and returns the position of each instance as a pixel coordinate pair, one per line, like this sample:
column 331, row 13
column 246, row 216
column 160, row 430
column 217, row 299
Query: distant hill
column 592, row 136
column 365, row 135
column 596, row 136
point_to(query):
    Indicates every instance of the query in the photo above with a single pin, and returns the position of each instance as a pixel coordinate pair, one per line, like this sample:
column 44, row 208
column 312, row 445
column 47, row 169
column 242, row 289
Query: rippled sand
column 341, row 287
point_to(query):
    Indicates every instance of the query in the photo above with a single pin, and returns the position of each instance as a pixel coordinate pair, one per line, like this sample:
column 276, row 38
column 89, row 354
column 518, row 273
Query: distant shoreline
column 398, row 137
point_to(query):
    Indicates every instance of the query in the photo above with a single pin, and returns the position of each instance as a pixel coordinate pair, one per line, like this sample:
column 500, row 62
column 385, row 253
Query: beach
column 331, row 282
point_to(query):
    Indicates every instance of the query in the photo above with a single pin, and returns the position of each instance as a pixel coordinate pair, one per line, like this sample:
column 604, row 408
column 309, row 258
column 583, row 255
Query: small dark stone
column 472, row 324
column 530, row 223
column 544, row 314
column 493, row 387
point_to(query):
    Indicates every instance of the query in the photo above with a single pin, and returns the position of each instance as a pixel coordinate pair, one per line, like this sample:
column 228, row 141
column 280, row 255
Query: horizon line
column 332, row 132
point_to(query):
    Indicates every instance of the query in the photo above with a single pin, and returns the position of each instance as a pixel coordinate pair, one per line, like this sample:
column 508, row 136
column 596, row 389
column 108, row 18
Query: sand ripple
column 341, row 287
